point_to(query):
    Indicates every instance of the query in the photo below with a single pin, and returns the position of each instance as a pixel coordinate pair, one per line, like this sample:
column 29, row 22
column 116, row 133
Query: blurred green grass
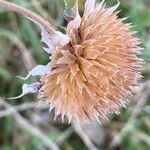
column 11, row 64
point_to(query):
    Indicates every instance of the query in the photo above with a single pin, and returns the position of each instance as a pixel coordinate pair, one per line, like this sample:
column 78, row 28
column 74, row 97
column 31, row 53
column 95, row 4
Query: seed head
column 94, row 67
column 94, row 73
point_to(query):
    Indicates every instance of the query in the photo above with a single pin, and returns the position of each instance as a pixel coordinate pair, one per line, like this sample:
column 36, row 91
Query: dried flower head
column 93, row 68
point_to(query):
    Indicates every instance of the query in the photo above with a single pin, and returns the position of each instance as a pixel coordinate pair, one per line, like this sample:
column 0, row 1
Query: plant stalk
column 28, row 14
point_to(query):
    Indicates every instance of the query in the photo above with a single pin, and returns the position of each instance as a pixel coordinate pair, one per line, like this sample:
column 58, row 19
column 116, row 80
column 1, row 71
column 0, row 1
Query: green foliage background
column 16, row 31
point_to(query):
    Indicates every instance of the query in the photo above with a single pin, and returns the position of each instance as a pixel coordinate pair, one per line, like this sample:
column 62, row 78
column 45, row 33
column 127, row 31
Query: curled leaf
column 39, row 70
column 28, row 89
column 54, row 39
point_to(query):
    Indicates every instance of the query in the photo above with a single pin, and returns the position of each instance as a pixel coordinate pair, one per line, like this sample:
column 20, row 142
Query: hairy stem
column 28, row 14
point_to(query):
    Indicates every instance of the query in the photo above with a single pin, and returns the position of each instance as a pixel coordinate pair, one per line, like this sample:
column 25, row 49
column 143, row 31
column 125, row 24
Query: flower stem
column 28, row 14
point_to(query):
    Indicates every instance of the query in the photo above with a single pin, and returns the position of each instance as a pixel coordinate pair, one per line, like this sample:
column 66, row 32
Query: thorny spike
column 100, row 6
column 112, row 9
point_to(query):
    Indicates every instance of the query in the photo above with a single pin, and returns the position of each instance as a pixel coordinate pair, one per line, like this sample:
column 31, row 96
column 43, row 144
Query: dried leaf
column 27, row 89
column 54, row 39
column 39, row 70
